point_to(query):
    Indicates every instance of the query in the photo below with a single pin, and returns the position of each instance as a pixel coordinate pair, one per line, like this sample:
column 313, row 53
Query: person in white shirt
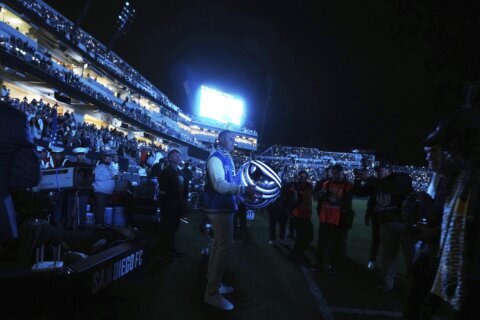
column 43, row 157
column 36, row 126
column 103, row 186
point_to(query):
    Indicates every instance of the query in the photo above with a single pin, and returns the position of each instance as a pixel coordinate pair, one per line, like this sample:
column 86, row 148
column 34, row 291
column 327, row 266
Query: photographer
column 387, row 192
column 302, row 215
column 336, row 215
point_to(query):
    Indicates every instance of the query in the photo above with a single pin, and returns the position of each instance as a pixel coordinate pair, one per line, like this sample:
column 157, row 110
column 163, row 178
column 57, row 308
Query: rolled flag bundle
column 266, row 182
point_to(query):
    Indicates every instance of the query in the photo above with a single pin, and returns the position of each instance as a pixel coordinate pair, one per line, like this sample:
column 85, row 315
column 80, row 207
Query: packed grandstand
column 102, row 103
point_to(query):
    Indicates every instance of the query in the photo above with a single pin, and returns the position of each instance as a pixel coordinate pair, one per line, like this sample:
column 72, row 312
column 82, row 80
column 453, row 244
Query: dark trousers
column 329, row 244
column 375, row 242
column 280, row 218
column 82, row 209
column 422, row 274
column 239, row 222
column 291, row 227
column 342, row 254
column 304, row 237
column 394, row 237
column 168, row 228
column 101, row 201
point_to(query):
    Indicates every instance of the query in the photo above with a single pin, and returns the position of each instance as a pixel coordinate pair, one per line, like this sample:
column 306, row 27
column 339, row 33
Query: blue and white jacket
column 220, row 193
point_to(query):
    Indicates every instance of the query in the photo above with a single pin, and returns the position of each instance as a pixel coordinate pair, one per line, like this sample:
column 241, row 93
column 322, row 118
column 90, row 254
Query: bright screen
column 220, row 106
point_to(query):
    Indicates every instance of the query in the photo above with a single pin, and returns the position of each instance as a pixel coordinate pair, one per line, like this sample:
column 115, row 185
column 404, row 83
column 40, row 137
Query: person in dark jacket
column 14, row 137
column 456, row 280
column 77, row 200
column 387, row 191
column 172, row 203
column 423, row 212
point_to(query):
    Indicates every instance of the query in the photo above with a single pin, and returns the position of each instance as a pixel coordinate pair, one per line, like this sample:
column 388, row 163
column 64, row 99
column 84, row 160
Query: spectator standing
column 5, row 93
column 172, row 203
column 36, row 126
column 388, row 191
column 42, row 155
column 103, row 186
column 23, row 106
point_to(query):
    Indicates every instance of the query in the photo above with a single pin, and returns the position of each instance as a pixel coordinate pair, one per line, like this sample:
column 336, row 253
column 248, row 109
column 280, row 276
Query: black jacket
column 14, row 137
column 386, row 195
column 171, row 192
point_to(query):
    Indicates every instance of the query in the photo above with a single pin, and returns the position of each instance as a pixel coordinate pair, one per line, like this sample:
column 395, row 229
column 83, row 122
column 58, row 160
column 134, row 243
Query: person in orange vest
column 335, row 215
column 302, row 213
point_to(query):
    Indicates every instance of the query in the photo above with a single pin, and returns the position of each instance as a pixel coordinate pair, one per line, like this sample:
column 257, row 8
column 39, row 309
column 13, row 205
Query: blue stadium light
column 220, row 106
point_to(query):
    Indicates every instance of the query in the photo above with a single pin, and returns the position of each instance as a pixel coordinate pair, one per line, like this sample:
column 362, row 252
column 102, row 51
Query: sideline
column 317, row 294
column 314, row 289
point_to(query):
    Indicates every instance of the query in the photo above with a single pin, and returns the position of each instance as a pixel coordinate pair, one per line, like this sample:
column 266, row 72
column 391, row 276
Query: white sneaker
column 371, row 265
column 218, row 301
column 225, row 289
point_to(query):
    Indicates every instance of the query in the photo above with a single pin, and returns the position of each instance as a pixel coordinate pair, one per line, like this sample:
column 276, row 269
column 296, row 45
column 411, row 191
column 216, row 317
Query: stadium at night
column 209, row 161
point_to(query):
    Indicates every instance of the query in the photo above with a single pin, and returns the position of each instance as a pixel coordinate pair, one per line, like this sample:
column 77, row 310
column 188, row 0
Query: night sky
column 345, row 74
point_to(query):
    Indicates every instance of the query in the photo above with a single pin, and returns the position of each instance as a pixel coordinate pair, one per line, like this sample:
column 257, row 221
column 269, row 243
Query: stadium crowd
column 43, row 61
column 95, row 49
column 287, row 161
column 224, row 126
column 74, row 134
